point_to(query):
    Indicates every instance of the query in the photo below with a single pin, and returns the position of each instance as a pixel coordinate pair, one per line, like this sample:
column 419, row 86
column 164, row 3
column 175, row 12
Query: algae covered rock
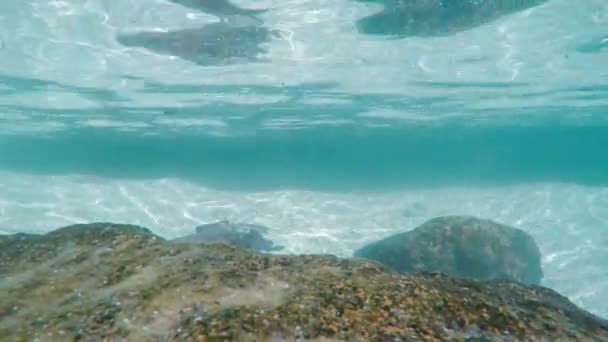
column 461, row 246
column 243, row 235
column 121, row 283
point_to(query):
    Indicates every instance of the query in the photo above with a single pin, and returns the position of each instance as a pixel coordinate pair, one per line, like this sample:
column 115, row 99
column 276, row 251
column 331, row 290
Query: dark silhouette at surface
column 213, row 44
column 220, row 8
column 427, row 18
column 237, row 38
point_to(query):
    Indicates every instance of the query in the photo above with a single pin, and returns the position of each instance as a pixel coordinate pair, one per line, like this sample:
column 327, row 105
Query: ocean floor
column 569, row 222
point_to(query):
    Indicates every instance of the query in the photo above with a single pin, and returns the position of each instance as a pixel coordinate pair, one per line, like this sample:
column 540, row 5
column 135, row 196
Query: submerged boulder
column 461, row 246
column 243, row 235
column 121, row 283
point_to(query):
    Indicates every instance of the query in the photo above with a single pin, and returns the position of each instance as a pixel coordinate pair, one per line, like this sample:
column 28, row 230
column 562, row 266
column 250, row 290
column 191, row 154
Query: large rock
column 461, row 246
column 243, row 235
column 121, row 283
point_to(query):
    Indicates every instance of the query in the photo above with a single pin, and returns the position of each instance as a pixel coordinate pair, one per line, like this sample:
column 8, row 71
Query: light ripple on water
column 523, row 65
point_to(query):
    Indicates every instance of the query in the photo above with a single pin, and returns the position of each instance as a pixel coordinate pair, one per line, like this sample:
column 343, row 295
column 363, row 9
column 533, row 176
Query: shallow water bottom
column 569, row 222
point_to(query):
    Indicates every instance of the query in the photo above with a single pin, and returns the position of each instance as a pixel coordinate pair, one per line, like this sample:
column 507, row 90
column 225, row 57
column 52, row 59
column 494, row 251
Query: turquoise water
column 329, row 136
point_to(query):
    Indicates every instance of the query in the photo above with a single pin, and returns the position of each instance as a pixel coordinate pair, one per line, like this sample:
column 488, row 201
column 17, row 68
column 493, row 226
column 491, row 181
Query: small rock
column 243, row 235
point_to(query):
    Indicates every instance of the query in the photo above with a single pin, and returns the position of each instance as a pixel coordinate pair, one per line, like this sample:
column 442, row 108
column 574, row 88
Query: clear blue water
column 331, row 137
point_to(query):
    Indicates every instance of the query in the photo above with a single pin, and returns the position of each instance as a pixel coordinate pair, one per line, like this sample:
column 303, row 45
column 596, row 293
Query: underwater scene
column 345, row 170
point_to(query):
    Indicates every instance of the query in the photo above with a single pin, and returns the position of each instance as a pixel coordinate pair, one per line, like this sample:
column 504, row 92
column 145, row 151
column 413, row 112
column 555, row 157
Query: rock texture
column 121, row 283
column 461, row 246
column 243, row 235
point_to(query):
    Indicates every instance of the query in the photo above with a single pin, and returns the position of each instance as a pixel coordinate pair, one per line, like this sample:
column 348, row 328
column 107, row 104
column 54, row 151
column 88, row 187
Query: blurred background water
column 334, row 123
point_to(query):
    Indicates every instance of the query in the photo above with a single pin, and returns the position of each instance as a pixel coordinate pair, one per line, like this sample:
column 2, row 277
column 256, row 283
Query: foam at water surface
column 569, row 222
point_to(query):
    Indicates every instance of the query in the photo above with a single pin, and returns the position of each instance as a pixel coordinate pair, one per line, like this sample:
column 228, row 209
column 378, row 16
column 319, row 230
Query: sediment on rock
column 114, row 281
